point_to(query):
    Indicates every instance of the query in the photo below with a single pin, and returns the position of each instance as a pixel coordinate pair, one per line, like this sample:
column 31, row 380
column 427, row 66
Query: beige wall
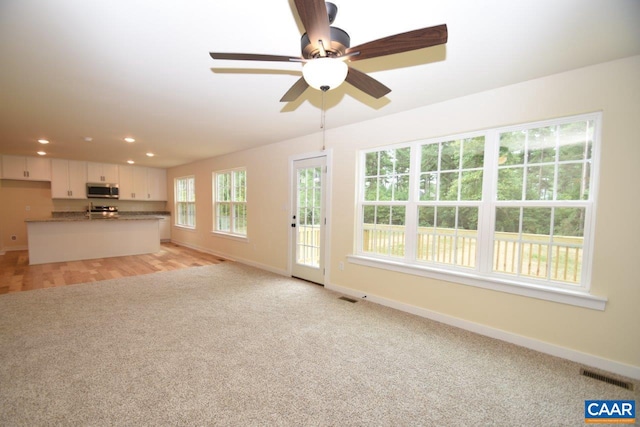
column 614, row 88
column 15, row 198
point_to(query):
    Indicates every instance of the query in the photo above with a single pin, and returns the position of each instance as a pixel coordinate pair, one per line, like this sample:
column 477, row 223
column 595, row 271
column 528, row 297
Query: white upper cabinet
column 157, row 184
column 102, row 172
column 141, row 183
column 68, row 179
column 26, row 168
column 132, row 182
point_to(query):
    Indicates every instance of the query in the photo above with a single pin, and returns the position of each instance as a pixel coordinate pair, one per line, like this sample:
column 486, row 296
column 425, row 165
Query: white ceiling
column 71, row 69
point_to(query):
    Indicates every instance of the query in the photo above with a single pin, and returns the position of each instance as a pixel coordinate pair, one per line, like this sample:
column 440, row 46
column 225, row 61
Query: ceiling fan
column 325, row 50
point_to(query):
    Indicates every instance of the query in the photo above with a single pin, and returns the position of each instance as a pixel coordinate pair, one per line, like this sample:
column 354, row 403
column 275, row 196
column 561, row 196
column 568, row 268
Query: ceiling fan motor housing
column 340, row 42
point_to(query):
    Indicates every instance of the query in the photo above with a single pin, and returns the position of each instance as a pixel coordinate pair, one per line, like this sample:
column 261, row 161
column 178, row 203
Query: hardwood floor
column 17, row 275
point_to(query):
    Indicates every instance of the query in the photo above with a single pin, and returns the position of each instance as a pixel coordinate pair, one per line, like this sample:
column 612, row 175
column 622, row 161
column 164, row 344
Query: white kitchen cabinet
column 68, row 179
column 157, row 184
column 141, row 183
column 26, row 168
column 102, row 172
column 165, row 228
column 132, row 182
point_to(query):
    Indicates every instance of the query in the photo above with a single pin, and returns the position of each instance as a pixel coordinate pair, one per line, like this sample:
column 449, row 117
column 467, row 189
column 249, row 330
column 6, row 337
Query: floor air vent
column 606, row 379
column 348, row 299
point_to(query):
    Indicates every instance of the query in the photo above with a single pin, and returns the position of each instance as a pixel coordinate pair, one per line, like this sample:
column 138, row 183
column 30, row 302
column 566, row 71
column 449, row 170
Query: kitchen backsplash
column 63, row 205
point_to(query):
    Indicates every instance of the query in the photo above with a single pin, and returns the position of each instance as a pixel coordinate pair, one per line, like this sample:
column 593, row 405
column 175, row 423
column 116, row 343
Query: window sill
column 184, row 227
column 229, row 236
column 564, row 296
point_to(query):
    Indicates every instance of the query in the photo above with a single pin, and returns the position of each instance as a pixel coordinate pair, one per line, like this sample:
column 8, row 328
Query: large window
column 185, row 199
column 230, row 188
column 512, row 204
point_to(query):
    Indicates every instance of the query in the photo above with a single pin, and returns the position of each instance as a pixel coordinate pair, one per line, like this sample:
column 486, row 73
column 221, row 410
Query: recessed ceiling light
column 43, row 141
column 130, row 162
column 88, row 139
column 129, row 139
column 42, row 153
column 150, row 154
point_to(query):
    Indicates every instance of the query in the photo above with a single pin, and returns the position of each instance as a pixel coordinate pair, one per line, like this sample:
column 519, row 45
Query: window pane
column 576, row 140
column 369, row 216
column 240, row 219
column 426, row 233
column 371, row 164
column 467, row 239
column 453, row 240
column 446, row 217
column 387, row 158
column 401, row 188
column 223, row 217
column 426, row 216
column 508, row 220
column 471, row 185
column 473, row 153
column 468, row 218
column 224, row 187
column 540, row 182
column 403, row 160
column 506, row 241
column 385, row 188
column 568, row 222
column 536, row 221
column 371, row 189
column 429, row 158
column 573, row 181
column 568, row 240
column 239, row 186
column 512, row 148
column 386, row 233
column 449, row 186
column 542, row 145
column 428, row 186
column 450, row 155
column 510, row 183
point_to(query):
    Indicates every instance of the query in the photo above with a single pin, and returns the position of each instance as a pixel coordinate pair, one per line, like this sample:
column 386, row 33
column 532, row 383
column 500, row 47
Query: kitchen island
column 79, row 238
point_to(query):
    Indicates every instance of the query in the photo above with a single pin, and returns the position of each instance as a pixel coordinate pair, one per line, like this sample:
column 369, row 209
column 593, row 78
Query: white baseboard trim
column 607, row 365
column 14, row 248
column 234, row 259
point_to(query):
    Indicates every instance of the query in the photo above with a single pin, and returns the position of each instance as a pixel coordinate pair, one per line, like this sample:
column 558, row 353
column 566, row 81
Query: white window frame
column 483, row 276
column 232, row 204
column 191, row 201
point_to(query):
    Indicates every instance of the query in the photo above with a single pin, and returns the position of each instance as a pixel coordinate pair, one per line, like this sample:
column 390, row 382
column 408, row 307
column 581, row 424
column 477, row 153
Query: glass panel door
column 308, row 222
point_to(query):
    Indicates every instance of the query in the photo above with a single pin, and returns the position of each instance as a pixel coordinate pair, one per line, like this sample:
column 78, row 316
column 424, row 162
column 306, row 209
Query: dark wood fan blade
column 314, row 17
column 253, row 57
column 403, row 42
column 366, row 84
column 295, row 91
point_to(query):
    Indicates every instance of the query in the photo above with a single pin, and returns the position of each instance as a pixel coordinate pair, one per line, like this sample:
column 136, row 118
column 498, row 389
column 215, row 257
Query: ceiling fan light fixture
column 321, row 72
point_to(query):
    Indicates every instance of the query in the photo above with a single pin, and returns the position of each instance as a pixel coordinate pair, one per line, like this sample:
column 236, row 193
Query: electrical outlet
column 341, row 265
column 27, row 208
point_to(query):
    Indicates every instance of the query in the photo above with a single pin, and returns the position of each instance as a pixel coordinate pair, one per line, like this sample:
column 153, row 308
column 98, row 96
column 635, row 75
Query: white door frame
column 328, row 154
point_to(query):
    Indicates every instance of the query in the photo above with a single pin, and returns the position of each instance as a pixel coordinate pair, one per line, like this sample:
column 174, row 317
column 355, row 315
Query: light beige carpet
column 231, row 345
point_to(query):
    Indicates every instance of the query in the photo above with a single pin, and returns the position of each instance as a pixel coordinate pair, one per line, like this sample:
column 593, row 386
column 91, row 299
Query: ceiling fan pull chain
column 323, row 119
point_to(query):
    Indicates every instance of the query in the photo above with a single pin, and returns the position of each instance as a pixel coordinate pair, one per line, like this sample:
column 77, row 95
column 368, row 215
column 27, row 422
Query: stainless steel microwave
column 102, row 190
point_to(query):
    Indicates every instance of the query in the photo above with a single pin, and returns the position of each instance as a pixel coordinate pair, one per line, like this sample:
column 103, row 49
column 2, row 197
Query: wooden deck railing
column 559, row 260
